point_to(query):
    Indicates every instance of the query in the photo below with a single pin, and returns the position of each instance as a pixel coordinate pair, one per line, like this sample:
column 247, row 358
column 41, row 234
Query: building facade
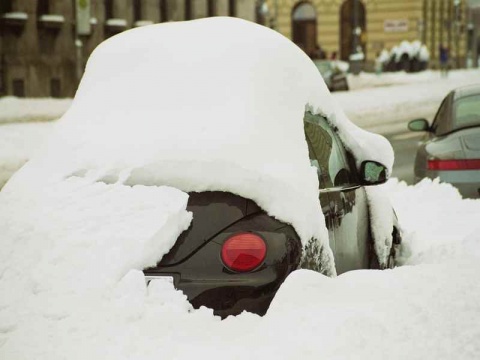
column 44, row 44
column 343, row 27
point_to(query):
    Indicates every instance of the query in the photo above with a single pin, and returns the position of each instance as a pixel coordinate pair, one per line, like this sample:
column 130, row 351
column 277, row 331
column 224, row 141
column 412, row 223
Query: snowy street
column 105, row 191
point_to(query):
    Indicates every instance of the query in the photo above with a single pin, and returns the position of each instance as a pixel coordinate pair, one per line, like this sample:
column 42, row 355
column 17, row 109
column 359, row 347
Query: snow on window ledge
column 14, row 20
column 93, row 21
column 52, row 18
column 51, row 21
column 140, row 23
column 117, row 23
column 15, row 16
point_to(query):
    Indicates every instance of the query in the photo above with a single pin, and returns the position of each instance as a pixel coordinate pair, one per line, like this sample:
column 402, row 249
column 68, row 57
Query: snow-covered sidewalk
column 14, row 110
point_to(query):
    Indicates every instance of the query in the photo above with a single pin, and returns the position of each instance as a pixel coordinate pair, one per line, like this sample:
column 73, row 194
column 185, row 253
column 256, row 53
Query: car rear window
column 467, row 111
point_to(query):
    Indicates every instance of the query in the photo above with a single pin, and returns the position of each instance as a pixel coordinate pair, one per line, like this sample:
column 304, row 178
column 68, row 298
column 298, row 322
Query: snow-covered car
column 209, row 154
column 334, row 73
column 234, row 256
column 450, row 149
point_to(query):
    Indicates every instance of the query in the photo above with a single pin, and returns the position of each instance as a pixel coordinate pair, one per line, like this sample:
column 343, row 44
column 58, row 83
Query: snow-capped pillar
column 150, row 10
column 222, row 7
column 176, row 10
column 246, row 10
column 199, row 9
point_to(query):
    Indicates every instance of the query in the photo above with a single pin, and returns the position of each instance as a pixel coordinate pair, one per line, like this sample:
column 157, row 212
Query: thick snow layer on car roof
column 185, row 105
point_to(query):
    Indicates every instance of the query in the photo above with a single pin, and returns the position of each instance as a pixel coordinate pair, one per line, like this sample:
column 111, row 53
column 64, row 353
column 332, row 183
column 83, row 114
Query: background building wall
column 388, row 22
column 39, row 60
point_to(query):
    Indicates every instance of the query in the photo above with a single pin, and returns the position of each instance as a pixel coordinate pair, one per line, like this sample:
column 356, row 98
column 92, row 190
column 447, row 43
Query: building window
column 5, row 6
column 232, row 8
column 108, row 9
column 304, row 28
column 212, row 8
column 163, row 11
column 137, row 10
column 188, row 9
column 55, row 89
column 18, row 87
column 43, row 7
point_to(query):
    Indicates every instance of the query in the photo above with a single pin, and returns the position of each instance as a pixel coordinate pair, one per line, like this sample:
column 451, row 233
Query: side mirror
column 418, row 125
column 373, row 173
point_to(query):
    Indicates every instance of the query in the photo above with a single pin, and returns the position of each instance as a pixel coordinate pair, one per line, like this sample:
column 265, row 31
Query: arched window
column 109, row 9
column 43, row 7
column 137, row 10
column 163, row 11
column 212, row 8
column 5, row 6
column 188, row 9
column 352, row 28
column 232, row 8
column 304, row 27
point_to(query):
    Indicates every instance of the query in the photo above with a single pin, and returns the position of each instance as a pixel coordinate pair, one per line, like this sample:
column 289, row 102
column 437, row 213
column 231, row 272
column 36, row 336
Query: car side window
column 440, row 121
column 467, row 111
column 327, row 153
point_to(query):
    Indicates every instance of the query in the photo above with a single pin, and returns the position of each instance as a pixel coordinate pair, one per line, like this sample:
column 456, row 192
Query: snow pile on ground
column 18, row 143
column 70, row 250
column 440, row 226
column 426, row 311
column 418, row 95
column 413, row 49
column 13, row 109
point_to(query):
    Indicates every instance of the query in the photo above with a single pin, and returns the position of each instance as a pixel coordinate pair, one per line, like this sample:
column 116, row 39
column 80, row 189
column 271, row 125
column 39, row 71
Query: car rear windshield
column 467, row 112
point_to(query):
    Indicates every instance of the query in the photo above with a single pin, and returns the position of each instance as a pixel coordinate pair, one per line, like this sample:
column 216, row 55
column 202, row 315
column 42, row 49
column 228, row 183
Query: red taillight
column 464, row 164
column 244, row 252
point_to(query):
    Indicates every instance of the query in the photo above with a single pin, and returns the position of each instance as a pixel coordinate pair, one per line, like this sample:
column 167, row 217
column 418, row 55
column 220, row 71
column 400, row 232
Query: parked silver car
column 451, row 148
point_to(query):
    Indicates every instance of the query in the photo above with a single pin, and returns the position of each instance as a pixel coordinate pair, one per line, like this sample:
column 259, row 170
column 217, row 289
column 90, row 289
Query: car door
column 441, row 125
column 343, row 200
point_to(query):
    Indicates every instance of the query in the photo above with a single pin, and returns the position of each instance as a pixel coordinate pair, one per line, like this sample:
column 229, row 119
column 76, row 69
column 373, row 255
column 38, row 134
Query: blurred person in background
column 443, row 54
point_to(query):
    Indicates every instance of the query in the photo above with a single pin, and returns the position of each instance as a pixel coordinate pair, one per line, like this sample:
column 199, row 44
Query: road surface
column 405, row 146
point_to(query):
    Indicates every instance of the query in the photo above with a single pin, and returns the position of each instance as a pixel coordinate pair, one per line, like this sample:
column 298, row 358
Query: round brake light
column 243, row 252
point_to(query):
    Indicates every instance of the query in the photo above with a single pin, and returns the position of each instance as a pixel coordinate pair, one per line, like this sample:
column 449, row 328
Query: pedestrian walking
column 443, row 53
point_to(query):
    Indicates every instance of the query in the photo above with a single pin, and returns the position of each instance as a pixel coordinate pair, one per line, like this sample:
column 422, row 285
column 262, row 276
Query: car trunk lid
column 212, row 212
column 471, row 142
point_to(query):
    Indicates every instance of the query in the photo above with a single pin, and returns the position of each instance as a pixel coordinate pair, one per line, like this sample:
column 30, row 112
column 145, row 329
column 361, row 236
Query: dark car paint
column 213, row 213
column 346, row 200
column 206, row 281
column 199, row 271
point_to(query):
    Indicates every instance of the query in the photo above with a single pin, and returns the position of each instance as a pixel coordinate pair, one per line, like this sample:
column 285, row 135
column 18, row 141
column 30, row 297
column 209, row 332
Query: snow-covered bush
column 407, row 56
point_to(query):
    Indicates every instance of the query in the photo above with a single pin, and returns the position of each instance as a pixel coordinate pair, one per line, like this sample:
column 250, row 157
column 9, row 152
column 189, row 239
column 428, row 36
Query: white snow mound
column 185, row 105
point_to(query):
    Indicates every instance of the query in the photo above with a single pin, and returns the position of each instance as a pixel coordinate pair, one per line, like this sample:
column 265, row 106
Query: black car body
column 196, row 264
column 450, row 149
